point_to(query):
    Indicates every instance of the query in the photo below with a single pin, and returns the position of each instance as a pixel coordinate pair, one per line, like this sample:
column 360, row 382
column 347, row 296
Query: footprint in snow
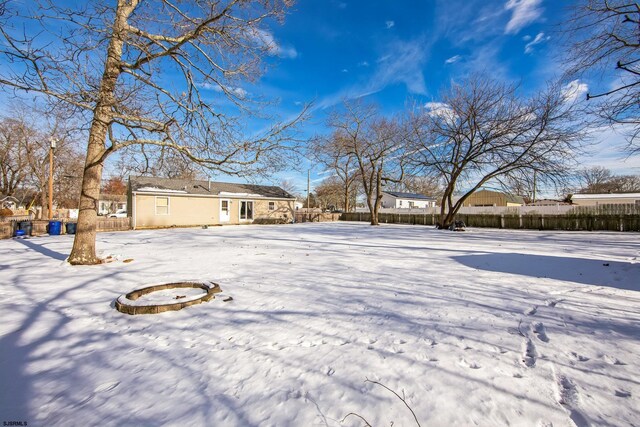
column 612, row 360
column 579, row 357
column 106, row 387
column 531, row 311
column 470, row 365
column 623, row 393
column 569, row 398
column 529, row 354
column 540, row 332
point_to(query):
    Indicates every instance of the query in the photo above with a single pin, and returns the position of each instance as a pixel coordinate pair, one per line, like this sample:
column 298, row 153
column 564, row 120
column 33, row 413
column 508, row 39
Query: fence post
column 542, row 221
column 520, row 219
column 502, row 220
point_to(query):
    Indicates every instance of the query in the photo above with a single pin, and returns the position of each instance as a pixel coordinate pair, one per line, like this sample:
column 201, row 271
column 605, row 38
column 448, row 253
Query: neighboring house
column 493, row 198
column 8, row 202
column 111, row 203
column 398, row 200
column 161, row 202
column 605, row 199
column 548, row 202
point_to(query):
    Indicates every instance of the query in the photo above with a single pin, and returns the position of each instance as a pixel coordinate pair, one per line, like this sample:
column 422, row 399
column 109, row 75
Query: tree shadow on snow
column 613, row 274
column 43, row 250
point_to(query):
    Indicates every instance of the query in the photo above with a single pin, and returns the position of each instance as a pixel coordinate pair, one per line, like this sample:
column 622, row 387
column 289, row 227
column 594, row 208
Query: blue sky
column 395, row 52
column 391, row 52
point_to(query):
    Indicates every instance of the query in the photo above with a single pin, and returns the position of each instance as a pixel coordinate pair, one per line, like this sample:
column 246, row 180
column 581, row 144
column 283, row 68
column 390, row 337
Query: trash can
column 71, row 228
column 27, row 227
column 55, row 228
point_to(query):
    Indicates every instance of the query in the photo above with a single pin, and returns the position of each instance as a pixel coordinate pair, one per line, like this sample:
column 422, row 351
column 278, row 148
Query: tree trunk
column 84, row 245
column 346, row 198
column 44, row 212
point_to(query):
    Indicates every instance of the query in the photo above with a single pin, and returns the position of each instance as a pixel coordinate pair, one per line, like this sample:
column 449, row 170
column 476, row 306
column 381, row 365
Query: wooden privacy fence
column 316, row 216
column 569, row 221
column 39, row 227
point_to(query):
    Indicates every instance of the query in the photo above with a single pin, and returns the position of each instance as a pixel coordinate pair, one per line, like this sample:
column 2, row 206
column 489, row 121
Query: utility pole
column 535, row 173
column 308, row 187
column 51, row 148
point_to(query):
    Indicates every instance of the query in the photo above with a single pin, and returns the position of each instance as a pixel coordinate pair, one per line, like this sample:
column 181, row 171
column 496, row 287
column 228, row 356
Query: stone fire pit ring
column 127, row 303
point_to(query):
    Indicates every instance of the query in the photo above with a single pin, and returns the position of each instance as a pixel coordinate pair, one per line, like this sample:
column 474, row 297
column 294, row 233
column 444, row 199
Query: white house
column 605, row 199
column 397, row 200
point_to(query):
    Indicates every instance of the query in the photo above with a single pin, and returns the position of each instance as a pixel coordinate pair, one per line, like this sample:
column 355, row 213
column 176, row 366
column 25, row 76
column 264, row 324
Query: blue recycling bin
column 55, row 228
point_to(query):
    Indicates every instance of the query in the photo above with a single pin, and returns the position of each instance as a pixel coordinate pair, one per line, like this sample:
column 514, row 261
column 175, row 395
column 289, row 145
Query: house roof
column 401, row 195
column 606, row 196
column 547, row 202
column 203, row 187
column 512, row 198
column 113, row 197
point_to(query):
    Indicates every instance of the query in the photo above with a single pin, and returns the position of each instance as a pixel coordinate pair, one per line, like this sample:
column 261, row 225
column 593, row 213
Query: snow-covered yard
column 486, row 327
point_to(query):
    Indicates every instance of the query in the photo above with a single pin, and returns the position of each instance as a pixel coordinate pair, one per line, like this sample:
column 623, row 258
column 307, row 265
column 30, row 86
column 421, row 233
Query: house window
column 400, row 203
column 272, row 206
column 411, row 205
column 162, row 205
column 246, row 210
column 224, row 206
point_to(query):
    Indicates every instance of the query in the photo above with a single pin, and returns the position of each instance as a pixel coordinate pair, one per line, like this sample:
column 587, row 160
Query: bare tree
column 136, row 69
column 425, row 185
column 594, row 179
column 604, row 38
column 598, row 179
column 377, row 145
column 161, row 162
column 290, row 187
column 333, row 153
column 14, row 134
column 482, row 131
column 330, row 193
column 24, row 151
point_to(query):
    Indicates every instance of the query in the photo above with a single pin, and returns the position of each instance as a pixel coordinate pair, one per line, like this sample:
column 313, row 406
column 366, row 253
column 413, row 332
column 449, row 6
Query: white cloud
column 344, row 70
column 363, row 64
column 609, row 151
column 453, row 59
column 267, row 40
column 236, row 91
column 403, row 63
column 574, row 90
column 523, row 13
column 439, row 109
column 389, row 24
column 540, row 38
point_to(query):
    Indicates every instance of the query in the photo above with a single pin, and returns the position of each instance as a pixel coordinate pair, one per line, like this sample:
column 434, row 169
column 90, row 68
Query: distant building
column 8, row 202
column 161, row 202
column 493, row 198
column 548, row 202
column 398, row 200
column 605, row 199
column 111, row 203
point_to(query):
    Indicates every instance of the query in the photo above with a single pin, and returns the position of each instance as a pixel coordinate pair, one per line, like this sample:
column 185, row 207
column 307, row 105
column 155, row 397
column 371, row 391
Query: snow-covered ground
column 486, row 327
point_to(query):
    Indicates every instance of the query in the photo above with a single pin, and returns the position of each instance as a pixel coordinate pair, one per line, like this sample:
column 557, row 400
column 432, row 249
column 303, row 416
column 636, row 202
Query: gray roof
column 203, row 187
column 409, row 195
